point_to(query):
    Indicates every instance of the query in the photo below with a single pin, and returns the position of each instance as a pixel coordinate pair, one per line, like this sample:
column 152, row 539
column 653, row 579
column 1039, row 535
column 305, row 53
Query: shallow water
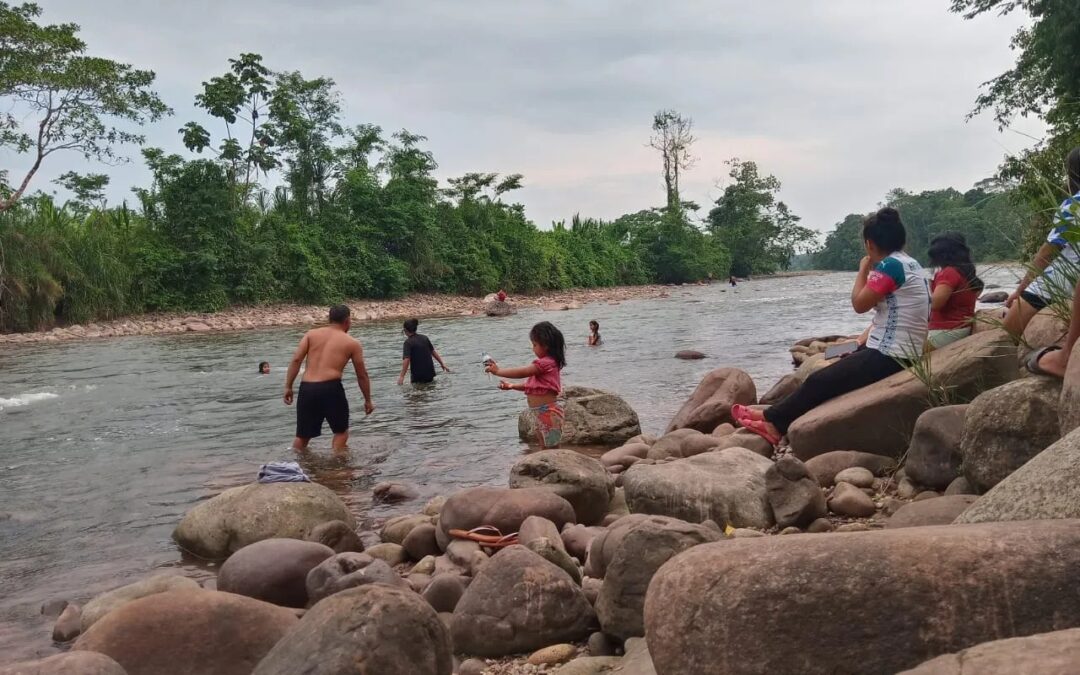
column 107, row 443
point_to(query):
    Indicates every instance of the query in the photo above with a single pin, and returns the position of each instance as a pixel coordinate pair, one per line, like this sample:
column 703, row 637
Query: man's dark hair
column 411, row 325
column 339, row 313
column 885, row 229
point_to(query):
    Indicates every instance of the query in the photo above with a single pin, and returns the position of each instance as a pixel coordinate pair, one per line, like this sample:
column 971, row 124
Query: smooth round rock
column 273, row 570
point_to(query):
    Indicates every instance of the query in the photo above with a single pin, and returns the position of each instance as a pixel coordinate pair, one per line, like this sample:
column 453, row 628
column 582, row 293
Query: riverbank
column 418, row 305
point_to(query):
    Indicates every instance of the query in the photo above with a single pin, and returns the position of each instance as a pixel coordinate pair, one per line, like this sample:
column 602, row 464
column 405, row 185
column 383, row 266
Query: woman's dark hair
column 263, row 363
column 885, row 230
column 950, row 249
column 545, row 333
column 594, row 324
column 411, row 325
column 1072, row 168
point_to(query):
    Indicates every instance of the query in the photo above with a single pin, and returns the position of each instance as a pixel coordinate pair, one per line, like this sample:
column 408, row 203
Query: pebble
column 69, row 625
column 857, row 476
column 891, row 505
column 53, row 608
column 601, row 645
column 425, row 566
column 928, row 494
column 820, row 525
column 552, row 655
column 960, row 486
column 746, row 533
column 848, row 500
column 906, row 489
column 791, row 530
column 472, row 667
column 853, row 527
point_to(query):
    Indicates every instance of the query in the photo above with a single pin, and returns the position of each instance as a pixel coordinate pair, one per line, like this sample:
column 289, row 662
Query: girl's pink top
column 547, row 381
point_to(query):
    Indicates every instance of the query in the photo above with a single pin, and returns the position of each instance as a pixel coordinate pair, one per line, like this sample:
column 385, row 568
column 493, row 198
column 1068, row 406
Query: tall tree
column 760, row 232
column 672, row 138
column 78, row 103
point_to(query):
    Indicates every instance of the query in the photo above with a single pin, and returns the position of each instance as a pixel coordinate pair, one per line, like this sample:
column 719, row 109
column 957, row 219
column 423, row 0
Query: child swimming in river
column 543, row 382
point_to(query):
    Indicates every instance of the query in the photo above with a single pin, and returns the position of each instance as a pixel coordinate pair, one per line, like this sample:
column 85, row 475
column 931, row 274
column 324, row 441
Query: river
column 107, row 443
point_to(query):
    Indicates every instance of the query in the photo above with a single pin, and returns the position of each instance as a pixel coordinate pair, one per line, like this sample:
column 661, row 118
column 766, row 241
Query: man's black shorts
column 320, row 401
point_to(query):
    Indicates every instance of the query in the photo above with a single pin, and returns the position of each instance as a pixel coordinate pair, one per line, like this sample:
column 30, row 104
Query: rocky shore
column 276, row 316
column 881, row 537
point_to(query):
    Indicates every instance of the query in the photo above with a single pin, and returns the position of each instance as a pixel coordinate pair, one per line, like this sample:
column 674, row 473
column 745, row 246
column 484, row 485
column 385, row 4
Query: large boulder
column 936, row 511
column 880, row 418
column 1044, row 329
column 273, row 570
column 503, row 508
column 625, row 455
column 1007, row 426
column 592, row 417
column 727, row 487
column 628, row 555
column 783, row 388
column 795, row 496
column 1069, row 405
column 496, row 307
column 1056, row 653
column 371, row 630
column 811, row 603
column 348, row 570
column 72, row 663
column 710, row 404
column 118, row 597
column 189, row 632
column 580, row 480
column 220, row 526
column 825, row 467
column 933, row 456
column 1047, row 487
column 520, row 602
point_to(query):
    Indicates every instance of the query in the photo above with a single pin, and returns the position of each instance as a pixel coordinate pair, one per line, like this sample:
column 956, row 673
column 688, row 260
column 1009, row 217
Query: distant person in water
column 322, row 396
column 894, row 285
column 732, row 281
column 544, row 381
column 954, row 290
column 419, row 356
column 501, row 295
column 264, row 367
column 594, row 334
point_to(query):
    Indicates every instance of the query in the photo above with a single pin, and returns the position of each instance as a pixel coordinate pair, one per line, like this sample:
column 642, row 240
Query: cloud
column 841, row 100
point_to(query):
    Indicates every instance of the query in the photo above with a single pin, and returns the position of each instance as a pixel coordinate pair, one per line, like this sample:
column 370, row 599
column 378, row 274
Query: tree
column 78, row 103
column 305, row 117
column 760, row 232
column 241, row 95
column 672, row 137
column 88, row 189
column 1045, row 80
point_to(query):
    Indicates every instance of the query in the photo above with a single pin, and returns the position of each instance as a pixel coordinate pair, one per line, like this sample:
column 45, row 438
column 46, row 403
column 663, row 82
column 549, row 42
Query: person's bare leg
column 300, row 444
column 1056, row 362
column 1018, row 317
column 341, row 441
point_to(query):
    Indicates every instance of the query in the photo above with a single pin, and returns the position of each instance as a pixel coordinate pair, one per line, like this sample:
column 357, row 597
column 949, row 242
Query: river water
column 105, row 444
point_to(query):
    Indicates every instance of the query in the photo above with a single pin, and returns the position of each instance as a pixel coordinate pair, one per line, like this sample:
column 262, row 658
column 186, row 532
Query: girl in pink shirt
column 543, row 384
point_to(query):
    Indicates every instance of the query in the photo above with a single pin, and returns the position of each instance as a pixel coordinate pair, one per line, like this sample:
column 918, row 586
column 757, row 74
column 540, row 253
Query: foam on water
column 26, row 399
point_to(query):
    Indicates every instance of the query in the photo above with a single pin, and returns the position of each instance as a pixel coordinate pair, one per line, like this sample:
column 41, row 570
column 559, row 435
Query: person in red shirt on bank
column 954, row 291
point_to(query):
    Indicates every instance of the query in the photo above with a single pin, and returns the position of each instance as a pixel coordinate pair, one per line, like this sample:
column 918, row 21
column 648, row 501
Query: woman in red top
column 954, row 291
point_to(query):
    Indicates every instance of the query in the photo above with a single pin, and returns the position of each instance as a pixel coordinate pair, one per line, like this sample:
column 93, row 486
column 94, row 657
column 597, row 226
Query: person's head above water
column 594, row 326
column 1072, row 170
column 883, row 233
column 411, row 325
column 340, row 316
column 548, row 341
column 264, row 367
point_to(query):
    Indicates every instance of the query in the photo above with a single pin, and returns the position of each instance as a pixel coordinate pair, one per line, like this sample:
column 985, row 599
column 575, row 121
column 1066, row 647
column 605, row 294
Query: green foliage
column 58, row 99
column 987, row 215
column 760, row 232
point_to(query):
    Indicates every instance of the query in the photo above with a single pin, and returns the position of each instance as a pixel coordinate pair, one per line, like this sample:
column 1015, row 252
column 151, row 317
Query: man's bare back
column 322, row 397
column 329, row 350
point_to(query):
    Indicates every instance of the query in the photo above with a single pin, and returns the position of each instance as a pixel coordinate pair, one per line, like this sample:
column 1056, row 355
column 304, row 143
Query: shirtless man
column 322, row 396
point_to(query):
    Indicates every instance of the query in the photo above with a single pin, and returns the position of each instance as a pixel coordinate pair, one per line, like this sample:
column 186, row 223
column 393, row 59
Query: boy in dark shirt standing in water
column 417, row 354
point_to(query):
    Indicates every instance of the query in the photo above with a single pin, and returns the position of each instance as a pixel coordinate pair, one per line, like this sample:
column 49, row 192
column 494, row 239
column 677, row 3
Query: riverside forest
column 279, row 198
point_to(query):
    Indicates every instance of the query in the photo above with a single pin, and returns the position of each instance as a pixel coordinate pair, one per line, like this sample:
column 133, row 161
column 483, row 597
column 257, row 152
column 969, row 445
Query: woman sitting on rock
column 954, row 291
column 894, row 285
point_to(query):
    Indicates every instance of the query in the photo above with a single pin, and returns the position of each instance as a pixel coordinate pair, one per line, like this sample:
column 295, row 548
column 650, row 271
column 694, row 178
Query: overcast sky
column 842, row 100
